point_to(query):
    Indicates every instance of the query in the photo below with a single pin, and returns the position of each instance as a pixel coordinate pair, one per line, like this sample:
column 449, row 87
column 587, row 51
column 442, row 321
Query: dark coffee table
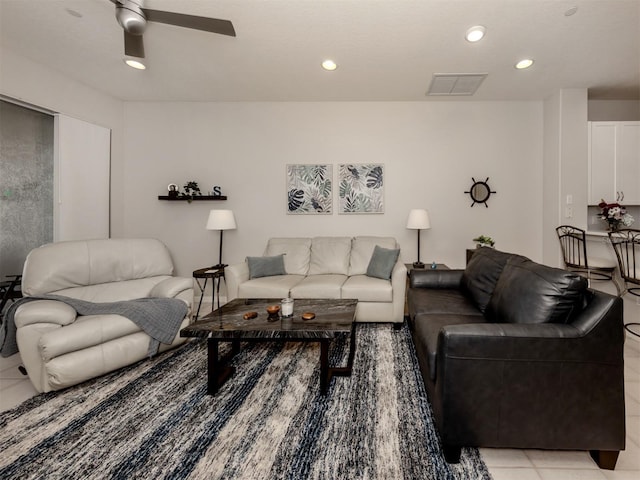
column 227, row 324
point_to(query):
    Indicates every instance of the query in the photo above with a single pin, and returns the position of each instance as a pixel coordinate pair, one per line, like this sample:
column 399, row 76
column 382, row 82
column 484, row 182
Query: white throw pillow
column 297, row 253
column 330, row 255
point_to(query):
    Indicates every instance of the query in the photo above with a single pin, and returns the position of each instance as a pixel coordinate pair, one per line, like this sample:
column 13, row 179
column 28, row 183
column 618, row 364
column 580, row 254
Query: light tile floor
column 504, row 464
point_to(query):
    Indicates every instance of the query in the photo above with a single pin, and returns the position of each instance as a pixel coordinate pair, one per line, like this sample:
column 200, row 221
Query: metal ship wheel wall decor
column 480, row 191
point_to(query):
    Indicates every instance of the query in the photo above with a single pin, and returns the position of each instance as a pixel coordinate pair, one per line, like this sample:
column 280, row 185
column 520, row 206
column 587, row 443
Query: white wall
column 574, row 157
column 24, row 80
column 551, row 180
column 430, row 151
column 614, row 110
column 565, row 167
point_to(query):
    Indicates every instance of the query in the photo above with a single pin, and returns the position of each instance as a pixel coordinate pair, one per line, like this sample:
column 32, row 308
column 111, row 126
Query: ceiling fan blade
column 213, row 25
column 133, row 45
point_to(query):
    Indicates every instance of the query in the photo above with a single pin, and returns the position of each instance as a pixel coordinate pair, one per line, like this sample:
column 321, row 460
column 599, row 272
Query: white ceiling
column 387, row 50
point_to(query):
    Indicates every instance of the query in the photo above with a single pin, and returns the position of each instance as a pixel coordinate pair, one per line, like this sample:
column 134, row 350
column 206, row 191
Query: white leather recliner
column 59, row 348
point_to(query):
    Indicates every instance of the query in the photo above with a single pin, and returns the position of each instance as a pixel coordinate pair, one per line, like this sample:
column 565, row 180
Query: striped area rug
column 154, row 420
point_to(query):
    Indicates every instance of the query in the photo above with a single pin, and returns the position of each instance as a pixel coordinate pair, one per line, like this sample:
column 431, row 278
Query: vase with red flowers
column 615, row 215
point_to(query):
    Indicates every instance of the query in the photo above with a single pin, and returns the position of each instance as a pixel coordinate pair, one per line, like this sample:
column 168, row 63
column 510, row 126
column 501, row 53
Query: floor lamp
column 418, row 220
column 221, row 220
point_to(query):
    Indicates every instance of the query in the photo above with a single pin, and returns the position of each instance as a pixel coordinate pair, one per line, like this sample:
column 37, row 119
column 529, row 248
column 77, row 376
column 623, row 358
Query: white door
column 81, row 180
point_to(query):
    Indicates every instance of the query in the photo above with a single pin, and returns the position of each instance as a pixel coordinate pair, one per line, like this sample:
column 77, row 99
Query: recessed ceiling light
column 73, row 13
column 475, row 33
column 525, row 63
column 570, row 11
column 133, row 63
column 329, row 65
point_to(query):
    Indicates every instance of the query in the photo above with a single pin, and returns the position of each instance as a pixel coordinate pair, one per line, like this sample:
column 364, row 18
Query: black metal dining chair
column 626, row 244
column 573, row 241
column 10, row 290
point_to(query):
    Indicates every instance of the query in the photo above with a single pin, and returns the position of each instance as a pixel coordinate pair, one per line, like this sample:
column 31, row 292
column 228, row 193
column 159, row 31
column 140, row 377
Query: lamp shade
column 418, row 219
column 221, row 220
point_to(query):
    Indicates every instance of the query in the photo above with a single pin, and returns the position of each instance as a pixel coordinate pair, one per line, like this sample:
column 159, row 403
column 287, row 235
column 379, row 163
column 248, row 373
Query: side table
column 216, row 274
column 410, row 267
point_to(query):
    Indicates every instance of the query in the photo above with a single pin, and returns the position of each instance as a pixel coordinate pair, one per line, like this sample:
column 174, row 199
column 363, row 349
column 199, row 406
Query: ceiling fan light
column 131, row 17
column 476, row 33
column 135, row 63
column 524, row 63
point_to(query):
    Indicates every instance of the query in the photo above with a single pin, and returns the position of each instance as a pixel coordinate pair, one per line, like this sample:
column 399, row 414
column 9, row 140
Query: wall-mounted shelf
column 195, row 198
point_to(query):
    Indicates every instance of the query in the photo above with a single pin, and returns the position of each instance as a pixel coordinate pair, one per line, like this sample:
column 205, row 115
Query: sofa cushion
column 297, row 253
column 86, row 331
column 115, row 291
column 440, row 300
column 330, row 255
column 172, row 287
column 266, row 266
column 426, row 331
column 319, row 286
column 382, row 262
column 528, row 292
column 481, row 275
column 269, row 287
column 367, row 289
column 77, row 263
column 362, row 249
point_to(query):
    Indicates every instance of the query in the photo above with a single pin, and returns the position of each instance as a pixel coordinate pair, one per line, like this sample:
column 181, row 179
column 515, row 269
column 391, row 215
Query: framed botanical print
column 361, row 188
column 310, row 189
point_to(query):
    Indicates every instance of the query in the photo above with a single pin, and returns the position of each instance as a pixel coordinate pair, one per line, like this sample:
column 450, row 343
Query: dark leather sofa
column 515, row 354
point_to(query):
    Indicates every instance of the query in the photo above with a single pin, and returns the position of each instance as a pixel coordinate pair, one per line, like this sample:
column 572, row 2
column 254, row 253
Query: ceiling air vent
column 455, row 83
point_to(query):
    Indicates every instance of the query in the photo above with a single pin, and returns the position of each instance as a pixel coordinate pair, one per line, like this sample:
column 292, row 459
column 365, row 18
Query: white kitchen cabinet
column 628, row 162
column 614, row 162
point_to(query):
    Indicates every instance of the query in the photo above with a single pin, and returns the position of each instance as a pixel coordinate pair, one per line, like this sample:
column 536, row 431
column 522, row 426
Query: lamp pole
column 220, row 265
column 418, row 264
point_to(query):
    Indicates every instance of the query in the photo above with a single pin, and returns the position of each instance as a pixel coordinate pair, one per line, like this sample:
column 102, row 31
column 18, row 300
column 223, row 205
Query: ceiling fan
column 133, row 18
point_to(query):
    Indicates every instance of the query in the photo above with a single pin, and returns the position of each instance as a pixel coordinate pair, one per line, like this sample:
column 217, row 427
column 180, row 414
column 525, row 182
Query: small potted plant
column 484, row 241
column 191, row 189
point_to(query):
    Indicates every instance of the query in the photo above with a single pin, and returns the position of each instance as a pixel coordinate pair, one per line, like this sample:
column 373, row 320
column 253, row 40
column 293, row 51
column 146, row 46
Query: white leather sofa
column 327, row 267
column 60, row 349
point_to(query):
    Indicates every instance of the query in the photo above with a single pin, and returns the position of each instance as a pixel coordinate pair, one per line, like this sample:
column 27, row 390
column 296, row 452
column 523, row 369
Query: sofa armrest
column 234, row 275
column 399, row 287
column 602, row 342
column 436, row 278
column 171, row 287
column 44, row 311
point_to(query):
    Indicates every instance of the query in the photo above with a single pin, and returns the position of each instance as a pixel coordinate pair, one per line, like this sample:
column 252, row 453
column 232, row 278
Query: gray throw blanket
column 160, row 318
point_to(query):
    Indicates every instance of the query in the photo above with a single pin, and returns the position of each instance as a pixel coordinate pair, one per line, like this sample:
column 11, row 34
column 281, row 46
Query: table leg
column 218, row 287
column 324, row 366
column 331, row 372
column 212, row 367
column 352, row 347
column 201, row 295
column 217, row 372
column 213, row 293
